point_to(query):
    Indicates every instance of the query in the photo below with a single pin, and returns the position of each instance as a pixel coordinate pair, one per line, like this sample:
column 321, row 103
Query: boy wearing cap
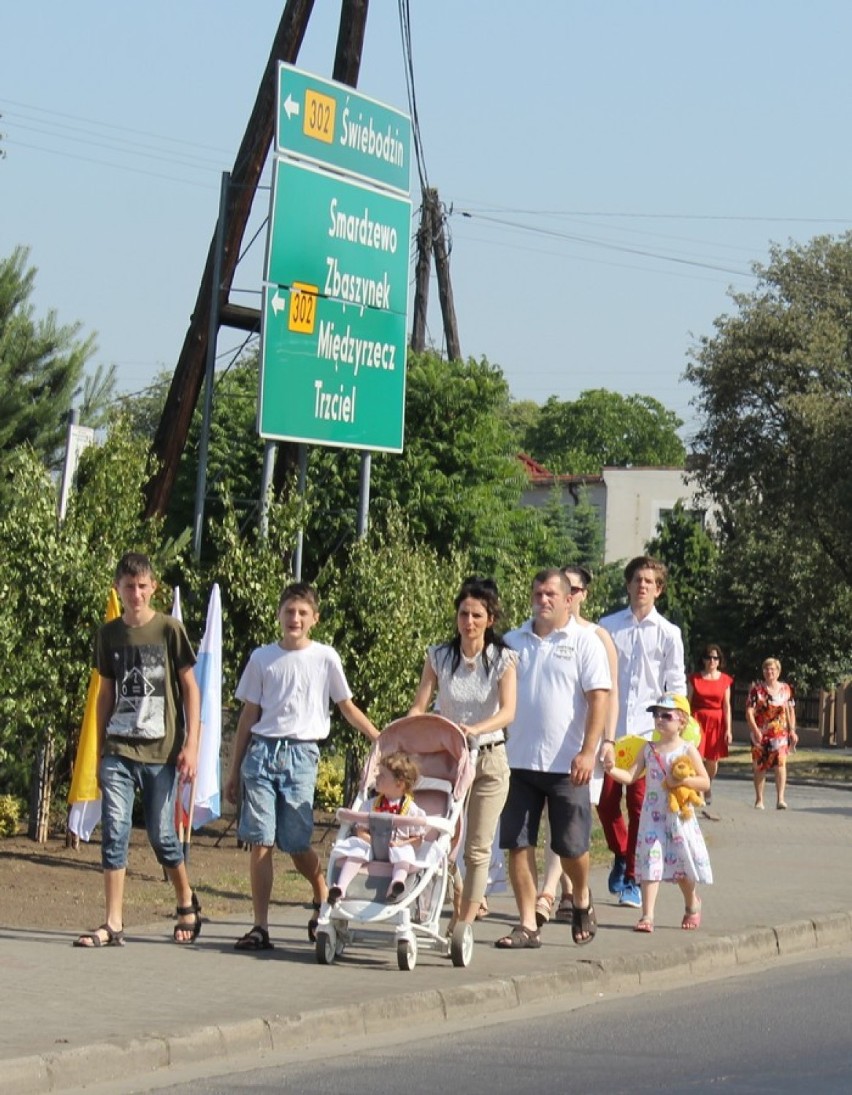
column 650, row 662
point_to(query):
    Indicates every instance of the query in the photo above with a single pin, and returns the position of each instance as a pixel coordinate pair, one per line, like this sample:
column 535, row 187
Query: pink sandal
column 691, row 919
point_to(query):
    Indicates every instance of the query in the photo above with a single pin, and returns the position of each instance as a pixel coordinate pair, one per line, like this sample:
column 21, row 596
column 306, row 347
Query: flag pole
column 189, row 816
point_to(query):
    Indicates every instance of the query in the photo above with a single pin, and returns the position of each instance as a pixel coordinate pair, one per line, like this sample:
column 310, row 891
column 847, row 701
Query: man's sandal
column 313, row 923
column 519, row 938
column 257, row 939
column 565, row 909
column 584, row 924
column 193, row 929
column 543, row 908
column 93, row 938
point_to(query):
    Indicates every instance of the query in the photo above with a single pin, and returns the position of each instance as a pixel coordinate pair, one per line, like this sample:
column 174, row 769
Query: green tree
column 604, row 428
column 42, row 367
column 54, row 581
column 774, row 449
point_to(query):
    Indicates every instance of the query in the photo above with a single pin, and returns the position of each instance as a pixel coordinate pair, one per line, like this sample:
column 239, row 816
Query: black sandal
column 255, row 940
column 194, row 929
column 313, row 923
column 113, row 939
column 584, row 923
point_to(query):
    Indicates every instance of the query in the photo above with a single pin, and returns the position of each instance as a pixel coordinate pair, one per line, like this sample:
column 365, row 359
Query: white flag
column 208, row 674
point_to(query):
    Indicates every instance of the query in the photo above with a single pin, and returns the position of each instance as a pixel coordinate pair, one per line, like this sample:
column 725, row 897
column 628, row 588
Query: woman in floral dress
column 771, row 718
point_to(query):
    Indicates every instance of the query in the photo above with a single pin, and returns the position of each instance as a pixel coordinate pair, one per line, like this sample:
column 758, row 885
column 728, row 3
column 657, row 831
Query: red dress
column 707, row 700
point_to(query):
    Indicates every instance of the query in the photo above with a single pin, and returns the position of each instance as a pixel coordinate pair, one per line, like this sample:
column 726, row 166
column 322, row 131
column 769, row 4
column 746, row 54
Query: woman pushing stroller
column 474, row 675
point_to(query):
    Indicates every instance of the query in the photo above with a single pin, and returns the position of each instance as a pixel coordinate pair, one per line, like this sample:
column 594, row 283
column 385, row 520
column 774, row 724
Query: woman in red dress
column 710, row 699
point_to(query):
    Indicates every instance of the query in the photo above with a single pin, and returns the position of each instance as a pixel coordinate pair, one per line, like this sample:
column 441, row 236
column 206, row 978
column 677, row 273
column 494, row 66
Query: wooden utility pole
column 422, row 273
column 170, row 439
column 431, row 238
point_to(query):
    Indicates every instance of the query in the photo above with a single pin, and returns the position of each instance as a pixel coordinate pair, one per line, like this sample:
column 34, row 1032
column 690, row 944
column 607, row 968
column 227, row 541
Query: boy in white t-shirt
column 286, row 690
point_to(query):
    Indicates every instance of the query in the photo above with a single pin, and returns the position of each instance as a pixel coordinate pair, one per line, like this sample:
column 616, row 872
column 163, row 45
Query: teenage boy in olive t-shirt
column 148, row 719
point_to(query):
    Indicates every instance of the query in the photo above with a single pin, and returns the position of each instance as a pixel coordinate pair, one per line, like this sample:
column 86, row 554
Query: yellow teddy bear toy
column 681, row 798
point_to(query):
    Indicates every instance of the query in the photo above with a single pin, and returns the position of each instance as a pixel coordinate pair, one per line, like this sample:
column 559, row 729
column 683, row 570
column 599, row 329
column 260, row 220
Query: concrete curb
column 103, row 1062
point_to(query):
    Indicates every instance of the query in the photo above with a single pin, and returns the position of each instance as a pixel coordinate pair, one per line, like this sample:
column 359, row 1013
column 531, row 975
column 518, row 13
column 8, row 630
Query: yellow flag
column 84, row 782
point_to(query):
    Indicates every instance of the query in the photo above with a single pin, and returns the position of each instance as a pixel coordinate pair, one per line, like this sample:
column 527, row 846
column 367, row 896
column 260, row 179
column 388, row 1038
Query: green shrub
column 329, row 788
column 10, row 813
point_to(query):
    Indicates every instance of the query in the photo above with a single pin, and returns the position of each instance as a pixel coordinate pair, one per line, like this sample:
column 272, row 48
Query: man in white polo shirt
column 552, row 744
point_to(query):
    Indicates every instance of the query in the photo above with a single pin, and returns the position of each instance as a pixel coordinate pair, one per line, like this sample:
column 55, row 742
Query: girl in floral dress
column 669, row 848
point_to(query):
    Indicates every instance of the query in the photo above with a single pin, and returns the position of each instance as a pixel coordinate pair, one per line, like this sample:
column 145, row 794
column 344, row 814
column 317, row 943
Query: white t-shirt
column 554, row 673
column 294, row 690
column 650, row 662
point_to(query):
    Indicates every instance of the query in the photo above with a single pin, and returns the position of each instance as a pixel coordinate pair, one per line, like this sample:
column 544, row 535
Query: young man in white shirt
column 650, row 662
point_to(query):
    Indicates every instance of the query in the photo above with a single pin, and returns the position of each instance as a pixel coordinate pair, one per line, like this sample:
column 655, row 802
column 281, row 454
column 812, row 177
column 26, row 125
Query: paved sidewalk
column 74, row 1016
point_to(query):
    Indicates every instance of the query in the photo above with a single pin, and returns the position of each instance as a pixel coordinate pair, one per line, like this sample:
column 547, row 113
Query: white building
column 630, row 501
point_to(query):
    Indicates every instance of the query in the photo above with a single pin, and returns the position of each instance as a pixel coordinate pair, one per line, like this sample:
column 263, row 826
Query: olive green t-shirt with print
column 147, row 718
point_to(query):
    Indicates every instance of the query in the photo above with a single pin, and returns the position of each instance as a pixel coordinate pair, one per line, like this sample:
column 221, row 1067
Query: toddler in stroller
column 390, row 866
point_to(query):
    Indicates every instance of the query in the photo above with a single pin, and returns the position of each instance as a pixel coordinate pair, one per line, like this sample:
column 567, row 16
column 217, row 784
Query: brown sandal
column 519, row 938
column 584, row 924
column 113, row 938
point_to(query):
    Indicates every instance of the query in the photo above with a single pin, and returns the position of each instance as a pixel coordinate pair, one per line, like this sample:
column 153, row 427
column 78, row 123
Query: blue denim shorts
column 279, row 777
column 157, row 783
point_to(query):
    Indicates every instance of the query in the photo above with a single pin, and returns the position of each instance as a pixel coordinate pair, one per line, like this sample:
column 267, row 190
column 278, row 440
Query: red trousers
column 621, row 838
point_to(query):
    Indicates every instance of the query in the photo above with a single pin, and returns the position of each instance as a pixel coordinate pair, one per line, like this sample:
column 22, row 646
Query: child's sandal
column 691, row 919
column 194, row 929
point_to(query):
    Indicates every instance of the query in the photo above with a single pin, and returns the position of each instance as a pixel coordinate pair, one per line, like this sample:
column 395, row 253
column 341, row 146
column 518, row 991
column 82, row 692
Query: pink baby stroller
column 365, row 914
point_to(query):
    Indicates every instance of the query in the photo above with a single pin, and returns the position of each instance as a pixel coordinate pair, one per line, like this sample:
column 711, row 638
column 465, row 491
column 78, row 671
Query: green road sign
column 331, row 124
column 331, row 373
column 348, row 240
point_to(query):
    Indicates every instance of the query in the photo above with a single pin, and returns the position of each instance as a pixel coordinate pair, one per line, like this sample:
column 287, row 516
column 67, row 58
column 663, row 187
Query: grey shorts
column 569, row 811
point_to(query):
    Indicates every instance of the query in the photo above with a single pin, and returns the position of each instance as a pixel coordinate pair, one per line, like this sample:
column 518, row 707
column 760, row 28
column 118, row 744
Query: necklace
column 470, row 662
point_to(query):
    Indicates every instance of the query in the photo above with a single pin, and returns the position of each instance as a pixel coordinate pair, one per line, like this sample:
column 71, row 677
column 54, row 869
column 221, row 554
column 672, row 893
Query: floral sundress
column 667, row 848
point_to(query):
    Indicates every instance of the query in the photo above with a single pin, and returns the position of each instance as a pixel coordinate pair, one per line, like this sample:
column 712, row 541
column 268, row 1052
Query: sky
column 611, row 170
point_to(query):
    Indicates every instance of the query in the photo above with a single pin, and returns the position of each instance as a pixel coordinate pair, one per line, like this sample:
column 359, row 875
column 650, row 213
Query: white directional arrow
column 291, row 106
column 278, row 303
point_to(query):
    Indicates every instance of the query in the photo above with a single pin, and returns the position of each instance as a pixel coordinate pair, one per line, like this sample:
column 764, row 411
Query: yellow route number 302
column 303, row 308
column 319, row 116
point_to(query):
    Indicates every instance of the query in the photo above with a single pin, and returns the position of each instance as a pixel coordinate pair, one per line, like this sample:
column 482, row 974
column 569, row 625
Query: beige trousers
column 485, row 802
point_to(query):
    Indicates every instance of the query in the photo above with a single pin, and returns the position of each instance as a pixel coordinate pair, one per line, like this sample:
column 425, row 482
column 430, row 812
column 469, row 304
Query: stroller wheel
column 326, row 946
column 461, row 944
column 406, row 953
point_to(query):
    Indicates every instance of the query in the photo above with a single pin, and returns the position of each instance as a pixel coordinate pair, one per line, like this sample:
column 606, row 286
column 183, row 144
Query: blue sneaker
column 631, row 896
column 615, row 881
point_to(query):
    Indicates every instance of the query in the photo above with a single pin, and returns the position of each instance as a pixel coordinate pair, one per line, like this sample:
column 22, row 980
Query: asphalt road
column 783, row 1029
